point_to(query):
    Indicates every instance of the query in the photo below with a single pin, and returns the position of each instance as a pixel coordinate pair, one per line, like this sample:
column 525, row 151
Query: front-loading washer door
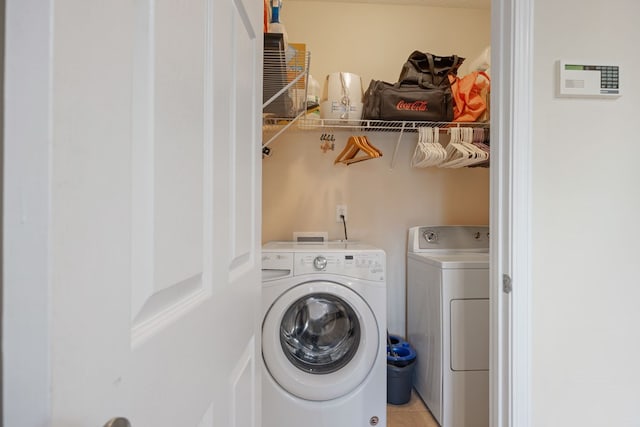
column 319, row 340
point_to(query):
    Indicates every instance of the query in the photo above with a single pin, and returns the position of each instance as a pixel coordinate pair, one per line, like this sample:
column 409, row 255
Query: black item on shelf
column 275, row 76
column 426, row 69
column 422, row 93
column 407, row 102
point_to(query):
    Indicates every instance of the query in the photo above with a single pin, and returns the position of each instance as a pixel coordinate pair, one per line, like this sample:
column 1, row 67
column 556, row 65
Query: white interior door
column 132, row 213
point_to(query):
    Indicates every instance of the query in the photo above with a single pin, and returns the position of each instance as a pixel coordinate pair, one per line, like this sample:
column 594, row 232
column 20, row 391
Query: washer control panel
column 368, row 265
column 277, row 260
column 320, row 263
column 276, row 265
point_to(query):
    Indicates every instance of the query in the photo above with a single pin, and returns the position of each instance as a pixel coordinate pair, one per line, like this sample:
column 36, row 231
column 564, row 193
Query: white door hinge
column 506, row 284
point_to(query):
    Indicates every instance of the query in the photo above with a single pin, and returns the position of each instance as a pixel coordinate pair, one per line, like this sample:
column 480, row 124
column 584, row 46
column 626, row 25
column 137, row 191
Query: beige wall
column 301, row 185
column 586, row 233
column 374, row 40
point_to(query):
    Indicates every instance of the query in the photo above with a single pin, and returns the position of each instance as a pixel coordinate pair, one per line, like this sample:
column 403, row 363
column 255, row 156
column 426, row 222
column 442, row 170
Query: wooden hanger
column 371, row 152
column 354, row 145
column 376, row 151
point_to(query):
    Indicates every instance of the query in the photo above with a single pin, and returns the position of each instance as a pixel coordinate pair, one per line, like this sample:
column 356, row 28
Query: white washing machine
column 323, row 335
column 448, row 321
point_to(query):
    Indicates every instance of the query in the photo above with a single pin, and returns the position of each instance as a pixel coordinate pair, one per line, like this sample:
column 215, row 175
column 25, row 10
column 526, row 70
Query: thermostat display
column 589, row 80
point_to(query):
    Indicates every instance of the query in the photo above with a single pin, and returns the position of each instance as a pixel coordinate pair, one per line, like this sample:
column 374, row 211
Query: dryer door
column 319, row 340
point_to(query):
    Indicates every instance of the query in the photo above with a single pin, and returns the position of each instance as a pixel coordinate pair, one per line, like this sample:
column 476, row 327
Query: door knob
column 118, row 422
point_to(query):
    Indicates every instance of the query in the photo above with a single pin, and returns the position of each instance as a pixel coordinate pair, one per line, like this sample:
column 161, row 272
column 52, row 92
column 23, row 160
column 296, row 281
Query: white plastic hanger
column 419, row 154
column 428, row 152
column 477, row 155
column 436, row 151
column 457, row 154
column 427, row 143
column 441, row 152
column 461, row 151
column 480, row 140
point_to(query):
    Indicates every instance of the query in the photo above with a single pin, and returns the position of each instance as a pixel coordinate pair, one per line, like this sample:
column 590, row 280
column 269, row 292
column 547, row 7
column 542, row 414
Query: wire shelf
column 400, row 127
column 312, row 123
column 285, row 79
column 285, row 76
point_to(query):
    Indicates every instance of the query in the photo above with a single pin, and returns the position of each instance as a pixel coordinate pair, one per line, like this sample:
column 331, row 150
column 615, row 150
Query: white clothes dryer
column 323, row 335
column 448, row 321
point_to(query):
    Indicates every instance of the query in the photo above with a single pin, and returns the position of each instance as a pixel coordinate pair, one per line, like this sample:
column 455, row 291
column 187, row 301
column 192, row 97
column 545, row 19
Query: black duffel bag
column 407, row 102
column 423, row 91
column 426, row 69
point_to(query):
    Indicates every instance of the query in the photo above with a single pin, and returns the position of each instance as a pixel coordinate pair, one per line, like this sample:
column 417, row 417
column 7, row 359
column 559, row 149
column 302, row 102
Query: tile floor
column 411, row 414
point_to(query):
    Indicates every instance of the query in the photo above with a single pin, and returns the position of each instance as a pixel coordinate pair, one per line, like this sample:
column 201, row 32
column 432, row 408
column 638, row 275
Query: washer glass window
column 320, row 333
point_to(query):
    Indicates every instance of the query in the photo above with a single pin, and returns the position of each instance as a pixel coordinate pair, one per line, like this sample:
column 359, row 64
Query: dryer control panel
column 369, row 265
column 448, row 238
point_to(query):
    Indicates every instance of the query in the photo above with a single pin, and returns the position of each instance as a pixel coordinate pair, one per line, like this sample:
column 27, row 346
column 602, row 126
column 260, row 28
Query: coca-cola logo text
column 411, row 106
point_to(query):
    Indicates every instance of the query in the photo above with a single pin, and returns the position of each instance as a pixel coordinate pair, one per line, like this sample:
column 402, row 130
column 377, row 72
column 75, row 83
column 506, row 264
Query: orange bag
column 470, row 96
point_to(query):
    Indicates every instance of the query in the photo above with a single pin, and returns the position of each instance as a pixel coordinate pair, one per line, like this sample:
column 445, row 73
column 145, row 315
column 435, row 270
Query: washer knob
column 320, row 262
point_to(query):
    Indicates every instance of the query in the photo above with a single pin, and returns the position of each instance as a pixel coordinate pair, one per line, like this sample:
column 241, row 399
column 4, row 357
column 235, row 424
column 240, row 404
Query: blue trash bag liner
column 396, row 340
column 401, row 355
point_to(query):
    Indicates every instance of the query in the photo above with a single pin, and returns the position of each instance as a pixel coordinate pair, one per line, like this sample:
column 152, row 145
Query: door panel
column 152, row 274
column 178, row 122
column 236, row 88
column 168, row 164
column 244, row 101
column 242, row 71
column 244, row 389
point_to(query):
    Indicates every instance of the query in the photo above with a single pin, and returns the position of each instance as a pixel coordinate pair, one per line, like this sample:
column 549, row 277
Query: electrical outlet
column 341, row 210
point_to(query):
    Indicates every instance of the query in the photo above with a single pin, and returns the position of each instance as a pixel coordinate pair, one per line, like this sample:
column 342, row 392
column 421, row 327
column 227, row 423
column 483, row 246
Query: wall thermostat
column 584, row 79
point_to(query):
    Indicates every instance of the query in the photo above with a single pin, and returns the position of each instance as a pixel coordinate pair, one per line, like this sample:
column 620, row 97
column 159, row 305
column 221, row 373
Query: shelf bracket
column 282, row 129
column 395, row 151
column 289, row 85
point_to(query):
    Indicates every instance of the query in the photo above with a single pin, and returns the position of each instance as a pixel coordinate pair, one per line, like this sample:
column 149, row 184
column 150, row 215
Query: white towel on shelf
column 482, row 62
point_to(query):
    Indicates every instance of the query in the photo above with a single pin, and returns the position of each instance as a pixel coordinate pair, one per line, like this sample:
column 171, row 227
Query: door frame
column 28, row 120
column 26, row 187
column 511, row 135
